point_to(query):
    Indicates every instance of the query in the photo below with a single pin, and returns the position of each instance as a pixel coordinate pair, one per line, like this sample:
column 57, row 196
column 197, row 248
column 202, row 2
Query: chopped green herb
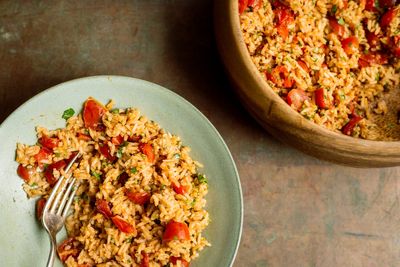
column 57, row 154
column 193, row 202
column 133, row 170
column 45, row 166
column 77, row 198
column 377, row 3
column 377, row 78
column 390, row 125
column 97, row 175
column 85, row 197
column 334, row 9
column 68, row 113
column 124, row 144
column 119, row 152
column 128, row 240
column 177, row 156
column 163, row 187
column 202, row 179
column 341, row 21
column 33, row 184
column 115, row 111
column 342, row 96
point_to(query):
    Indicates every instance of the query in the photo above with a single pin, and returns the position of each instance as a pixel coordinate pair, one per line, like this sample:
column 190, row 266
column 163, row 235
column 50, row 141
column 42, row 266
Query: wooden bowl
column 277, row 117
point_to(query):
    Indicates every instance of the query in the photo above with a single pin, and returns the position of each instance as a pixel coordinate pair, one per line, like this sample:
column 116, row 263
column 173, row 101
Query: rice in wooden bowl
column 314, row 73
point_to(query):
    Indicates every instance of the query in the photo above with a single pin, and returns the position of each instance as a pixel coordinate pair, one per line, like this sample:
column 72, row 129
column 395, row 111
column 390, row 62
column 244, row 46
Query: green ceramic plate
column 25, row 243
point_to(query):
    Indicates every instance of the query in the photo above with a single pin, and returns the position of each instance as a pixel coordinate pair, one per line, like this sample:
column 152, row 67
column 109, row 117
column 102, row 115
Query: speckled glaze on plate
column 24, row 242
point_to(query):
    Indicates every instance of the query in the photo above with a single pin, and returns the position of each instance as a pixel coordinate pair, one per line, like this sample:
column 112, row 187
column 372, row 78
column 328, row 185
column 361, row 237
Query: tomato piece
column 372, row 38
column 134, row 138
column 145, row 260
column 48, row 173
column 44, row 153
column 388, row 17
column 147, row 149
column 84, row 137
column 280, row 77
column 123, row 225
column 92, row 113
column 387, row 3
column 182, row 189
column 303, row 65
column 295, row 98
column 39, row 208
column 350, row 45
column 395, row 46
column 345, row 3
column 349, row 127
column 283, row 16
column 338, row 29
column 396, row 52
column 278, row 4
column 366, row 60
column 320, row 98
column 69, row 247
column 104, row 208
column 140, row 198
column 174, row 260
column 49, row 142
column 370, row 5
column 255, row 4
column 106, row 152
column 23, row 172
column 283, row 31
column 242, row 6
column 176, row 231
column 117, row 140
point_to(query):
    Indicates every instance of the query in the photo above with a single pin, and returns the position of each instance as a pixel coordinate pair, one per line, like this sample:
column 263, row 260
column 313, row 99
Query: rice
column 131, row 171
column 336, row 62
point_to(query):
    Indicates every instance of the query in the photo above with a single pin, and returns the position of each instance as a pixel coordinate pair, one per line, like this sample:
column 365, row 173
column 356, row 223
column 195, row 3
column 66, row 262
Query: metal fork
column 56, row 208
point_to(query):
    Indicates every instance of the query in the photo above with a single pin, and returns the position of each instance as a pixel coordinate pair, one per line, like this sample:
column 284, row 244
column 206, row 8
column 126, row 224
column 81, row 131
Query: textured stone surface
column 299, row 211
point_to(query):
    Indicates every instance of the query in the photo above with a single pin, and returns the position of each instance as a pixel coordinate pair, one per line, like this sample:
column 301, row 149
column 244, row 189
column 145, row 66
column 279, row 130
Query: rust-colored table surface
column 298, row 211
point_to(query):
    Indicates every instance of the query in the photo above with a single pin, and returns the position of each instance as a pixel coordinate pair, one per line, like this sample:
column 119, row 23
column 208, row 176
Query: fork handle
column 52, row 254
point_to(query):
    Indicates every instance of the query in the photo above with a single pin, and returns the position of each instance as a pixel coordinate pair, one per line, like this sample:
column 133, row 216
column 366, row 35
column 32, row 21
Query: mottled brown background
column 299, row 211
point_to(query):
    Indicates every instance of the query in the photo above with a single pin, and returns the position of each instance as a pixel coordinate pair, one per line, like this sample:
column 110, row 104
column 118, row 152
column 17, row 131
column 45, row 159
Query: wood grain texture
column 277, row 117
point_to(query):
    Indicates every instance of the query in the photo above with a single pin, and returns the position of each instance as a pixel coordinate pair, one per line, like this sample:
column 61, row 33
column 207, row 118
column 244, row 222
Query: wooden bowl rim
column 267, row 90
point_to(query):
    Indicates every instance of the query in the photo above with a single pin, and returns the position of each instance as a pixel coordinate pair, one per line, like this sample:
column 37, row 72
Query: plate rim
column 167, row 91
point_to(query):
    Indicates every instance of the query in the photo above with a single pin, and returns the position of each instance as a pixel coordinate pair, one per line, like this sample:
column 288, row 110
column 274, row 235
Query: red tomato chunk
column 176, row 231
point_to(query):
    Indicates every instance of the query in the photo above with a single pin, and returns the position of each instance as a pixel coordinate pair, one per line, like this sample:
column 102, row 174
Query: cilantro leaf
column 334, row 9
column 68, row 113
column 202, row 179
column 97, row 175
